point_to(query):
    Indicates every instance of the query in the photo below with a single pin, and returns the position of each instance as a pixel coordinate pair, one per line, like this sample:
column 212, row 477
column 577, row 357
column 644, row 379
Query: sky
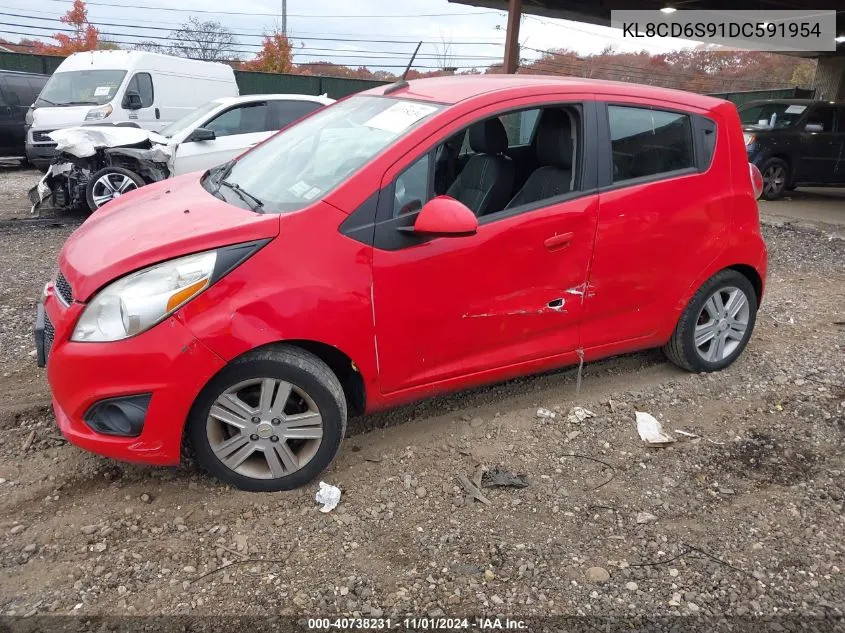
column 384, row 33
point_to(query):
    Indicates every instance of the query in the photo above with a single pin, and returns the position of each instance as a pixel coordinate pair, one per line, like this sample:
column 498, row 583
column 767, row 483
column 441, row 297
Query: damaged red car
column 414, row 239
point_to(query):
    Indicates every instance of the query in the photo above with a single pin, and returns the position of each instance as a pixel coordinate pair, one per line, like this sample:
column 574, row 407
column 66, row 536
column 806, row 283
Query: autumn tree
column 209, row 41
column 276, row 55
column 84, row 37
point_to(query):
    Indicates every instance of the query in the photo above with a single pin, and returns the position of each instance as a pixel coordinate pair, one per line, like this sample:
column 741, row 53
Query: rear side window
column 647, row 142
column 142, row 83
column 18, row 90
column 283, row 113
column 822, row 116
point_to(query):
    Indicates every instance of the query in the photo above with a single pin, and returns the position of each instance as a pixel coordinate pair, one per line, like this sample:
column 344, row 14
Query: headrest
column 488, row 137
column 553, row 139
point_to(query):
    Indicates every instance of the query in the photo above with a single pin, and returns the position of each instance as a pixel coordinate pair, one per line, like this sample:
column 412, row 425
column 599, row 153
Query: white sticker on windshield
column 102, row 91
column 795, row 109
column 400, row 116
column 311, row 193
column 299, row 188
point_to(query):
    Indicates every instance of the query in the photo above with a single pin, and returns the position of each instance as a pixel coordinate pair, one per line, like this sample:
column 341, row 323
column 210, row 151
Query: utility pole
column 285, row 18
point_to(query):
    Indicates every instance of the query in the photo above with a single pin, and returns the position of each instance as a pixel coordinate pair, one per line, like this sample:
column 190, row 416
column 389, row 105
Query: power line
column 292, row 15
column 159, row 28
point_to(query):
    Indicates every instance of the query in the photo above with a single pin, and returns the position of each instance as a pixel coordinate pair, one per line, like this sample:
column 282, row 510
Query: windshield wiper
column 47, row 101
column 73, row 103
column 254, row 203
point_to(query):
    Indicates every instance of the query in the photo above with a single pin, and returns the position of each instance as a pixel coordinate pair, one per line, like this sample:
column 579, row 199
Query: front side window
column 181, row 126
column 244, row 119
column 307, row 160
column 81, row 87
column 647, row 142
column 821, row 118
column 142, row 83
column 412, row 188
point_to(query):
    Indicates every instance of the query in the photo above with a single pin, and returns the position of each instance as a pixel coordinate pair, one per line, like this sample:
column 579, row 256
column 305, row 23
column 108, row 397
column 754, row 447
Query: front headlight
column 138, row 301
column 97, row 114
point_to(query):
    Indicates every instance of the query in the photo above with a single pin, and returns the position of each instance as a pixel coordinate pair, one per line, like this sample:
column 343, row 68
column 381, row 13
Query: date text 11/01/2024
column 417, row 624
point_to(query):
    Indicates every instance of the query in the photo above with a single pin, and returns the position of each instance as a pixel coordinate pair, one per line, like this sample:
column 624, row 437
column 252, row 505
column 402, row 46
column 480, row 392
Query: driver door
column 236, row 130
column 449, row 307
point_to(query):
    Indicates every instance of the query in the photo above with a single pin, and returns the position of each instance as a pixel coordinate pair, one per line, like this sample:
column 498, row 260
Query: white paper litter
column 579, row 414
column 329, row 496
column 545, row 413
column 650, row 430
column 399, row 117
column 86, row 140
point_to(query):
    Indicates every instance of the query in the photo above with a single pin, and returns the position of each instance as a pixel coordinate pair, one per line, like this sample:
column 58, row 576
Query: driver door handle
column 557, row 242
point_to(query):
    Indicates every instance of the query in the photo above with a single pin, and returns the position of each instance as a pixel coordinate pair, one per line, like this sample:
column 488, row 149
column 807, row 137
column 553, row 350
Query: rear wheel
column 272, row 420
column 716, row 324
column 109, row 184
column 775, row 178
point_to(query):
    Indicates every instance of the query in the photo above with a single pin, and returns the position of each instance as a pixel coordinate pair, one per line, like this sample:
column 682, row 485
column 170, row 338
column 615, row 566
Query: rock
column 489, row 575
column 646, row 517
column 28, row 549
column 597, row 575
column 497, row 600
column 631, row 586
column 17, row 529
column 421, row 492
column 693, row 607
column 673, row 572
column 100, row 547
column 88, row 529
column 189, row 569
column 476, row 422
column 146, row 498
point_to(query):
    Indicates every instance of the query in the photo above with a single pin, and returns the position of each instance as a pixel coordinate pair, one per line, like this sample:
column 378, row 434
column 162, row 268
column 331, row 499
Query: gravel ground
column 745, row 519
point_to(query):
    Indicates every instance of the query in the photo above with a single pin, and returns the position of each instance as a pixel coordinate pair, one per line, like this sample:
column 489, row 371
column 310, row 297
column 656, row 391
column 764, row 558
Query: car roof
column 456, row 88
column 273, row 97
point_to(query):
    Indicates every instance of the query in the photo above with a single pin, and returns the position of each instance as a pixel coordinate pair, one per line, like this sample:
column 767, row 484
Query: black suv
column 18, row 91
column 795, row 142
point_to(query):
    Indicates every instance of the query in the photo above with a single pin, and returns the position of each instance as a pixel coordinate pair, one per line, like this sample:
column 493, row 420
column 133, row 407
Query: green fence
column 744, row 96
column 248, row 82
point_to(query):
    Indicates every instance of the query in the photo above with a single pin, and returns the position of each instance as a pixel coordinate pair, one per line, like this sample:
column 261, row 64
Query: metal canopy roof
column 598, row 11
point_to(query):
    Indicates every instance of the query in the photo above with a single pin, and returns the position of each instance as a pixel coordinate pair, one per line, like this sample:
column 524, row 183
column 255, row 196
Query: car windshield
column 309, row 159
column 81, row 87
column 772, row 115
column 189, row 120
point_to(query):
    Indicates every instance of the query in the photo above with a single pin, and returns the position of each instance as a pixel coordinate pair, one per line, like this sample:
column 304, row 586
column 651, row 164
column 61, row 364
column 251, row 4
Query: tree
column 209, row 41
column 85, row 37
column 276, row 55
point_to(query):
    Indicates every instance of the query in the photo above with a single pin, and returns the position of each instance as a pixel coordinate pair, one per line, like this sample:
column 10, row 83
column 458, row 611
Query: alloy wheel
column 111, row 186
column 774, row 180
column 264, row 428
column 722, row 324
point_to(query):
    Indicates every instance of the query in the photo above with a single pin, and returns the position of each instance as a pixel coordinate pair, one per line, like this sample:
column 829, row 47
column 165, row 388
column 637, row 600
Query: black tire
column 303, row 371
column 117, row 171
column 681, row 349
column 777, row 173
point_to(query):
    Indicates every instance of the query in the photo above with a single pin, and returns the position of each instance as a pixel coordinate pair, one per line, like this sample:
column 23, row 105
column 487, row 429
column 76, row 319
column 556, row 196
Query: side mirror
column 445, row 216
column 814, row 127
column 201, row 134
column 132, row 101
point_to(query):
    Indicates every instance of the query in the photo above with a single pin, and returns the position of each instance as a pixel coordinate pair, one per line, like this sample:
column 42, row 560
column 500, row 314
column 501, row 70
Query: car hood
column 86, row 140
column 153, row 224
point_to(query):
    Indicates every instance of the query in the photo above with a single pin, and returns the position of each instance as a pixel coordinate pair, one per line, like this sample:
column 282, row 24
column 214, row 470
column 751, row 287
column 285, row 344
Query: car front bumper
column 167, row 362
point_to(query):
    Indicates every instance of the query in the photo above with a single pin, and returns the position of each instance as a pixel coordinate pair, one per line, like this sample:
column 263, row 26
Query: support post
column 512, row 36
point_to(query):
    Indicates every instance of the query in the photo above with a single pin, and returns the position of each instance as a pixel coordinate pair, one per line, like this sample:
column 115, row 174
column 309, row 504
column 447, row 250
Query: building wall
column 830, row 79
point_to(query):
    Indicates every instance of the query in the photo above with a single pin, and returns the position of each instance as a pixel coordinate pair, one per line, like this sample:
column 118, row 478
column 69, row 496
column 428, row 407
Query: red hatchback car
column 410, row 240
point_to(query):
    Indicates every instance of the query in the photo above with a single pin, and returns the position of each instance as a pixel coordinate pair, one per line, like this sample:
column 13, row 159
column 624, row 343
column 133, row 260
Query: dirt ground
column 744, row 519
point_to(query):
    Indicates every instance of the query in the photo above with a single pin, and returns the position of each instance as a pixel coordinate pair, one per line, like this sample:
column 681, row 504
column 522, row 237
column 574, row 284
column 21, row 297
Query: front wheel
column 775, row 178
column 109, row 184
column 272, row 420
column 716, row 324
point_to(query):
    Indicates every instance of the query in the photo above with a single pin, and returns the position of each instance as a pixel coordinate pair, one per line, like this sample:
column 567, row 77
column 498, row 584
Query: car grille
column 40, row 136
column 49, row 335
column 63, row 290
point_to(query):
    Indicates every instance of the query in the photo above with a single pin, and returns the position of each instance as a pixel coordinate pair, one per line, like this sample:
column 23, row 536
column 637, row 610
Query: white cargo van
column 149, row 90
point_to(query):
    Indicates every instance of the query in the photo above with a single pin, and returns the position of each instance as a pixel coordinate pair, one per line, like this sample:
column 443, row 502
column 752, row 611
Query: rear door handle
column 556, row 242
